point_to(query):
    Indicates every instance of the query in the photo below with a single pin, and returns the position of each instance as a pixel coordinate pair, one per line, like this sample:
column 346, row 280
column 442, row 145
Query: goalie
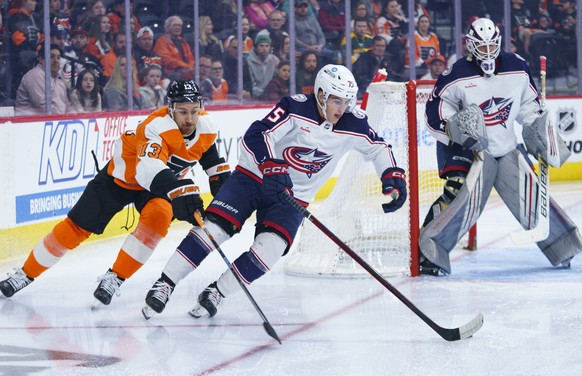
column 472, row 113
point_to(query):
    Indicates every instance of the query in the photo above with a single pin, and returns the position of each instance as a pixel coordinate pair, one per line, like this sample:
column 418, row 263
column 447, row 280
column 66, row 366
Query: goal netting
column 353, row 210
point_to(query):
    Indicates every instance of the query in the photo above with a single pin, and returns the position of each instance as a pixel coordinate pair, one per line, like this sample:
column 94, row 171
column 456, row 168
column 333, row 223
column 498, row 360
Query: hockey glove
column 276, row 178
column 394, row 185
column 217, row 175
column 185, row 198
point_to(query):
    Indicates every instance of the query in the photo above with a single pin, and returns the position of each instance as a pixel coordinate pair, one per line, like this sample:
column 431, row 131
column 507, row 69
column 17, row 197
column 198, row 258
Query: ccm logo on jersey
column 275, row 170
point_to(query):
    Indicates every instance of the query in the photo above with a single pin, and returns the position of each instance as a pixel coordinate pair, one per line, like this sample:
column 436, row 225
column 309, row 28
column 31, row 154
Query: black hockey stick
column 268, row 328
column 455, row 334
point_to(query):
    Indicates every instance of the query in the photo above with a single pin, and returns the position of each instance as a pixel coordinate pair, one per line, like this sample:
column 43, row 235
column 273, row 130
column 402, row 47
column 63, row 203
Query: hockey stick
column 542, row 228
column 268, row 328
column 455, row 334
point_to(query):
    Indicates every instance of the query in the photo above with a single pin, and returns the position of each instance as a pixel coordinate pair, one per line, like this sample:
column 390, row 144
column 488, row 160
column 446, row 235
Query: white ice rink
column 533, row 316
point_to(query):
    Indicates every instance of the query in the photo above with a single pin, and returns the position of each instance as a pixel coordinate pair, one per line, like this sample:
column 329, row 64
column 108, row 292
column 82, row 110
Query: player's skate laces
column 15, row 282
column 108, row 286
column 158, row 296
column 209, row 301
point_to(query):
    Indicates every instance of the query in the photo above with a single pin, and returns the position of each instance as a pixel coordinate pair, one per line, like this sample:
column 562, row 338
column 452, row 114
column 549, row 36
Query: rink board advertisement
column 47, row 162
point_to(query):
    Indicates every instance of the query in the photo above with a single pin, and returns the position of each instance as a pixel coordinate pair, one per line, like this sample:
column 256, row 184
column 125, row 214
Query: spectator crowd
column 88, row 42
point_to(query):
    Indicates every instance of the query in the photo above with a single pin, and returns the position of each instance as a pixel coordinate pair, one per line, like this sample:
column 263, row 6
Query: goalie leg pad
column 263, row 254
column 440, row 236
column 564, row 241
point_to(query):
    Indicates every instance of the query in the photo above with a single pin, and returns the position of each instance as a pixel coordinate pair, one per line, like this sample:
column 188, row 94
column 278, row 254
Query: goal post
column 353, row 210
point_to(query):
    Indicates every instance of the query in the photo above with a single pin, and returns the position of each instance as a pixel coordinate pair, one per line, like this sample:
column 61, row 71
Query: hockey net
column 353, row 210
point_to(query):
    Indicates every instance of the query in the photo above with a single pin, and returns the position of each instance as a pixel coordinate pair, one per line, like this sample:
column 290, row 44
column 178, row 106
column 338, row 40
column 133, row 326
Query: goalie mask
column 339, row 81
column 183, row 91
column 484, row 42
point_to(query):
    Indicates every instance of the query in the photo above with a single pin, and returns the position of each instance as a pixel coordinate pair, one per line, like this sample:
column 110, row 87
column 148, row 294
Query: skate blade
column 96, row 303
column 148, row 312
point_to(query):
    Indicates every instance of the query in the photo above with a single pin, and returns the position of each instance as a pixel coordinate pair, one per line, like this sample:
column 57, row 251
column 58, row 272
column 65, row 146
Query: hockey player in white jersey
column 472, row 114
column 295, row 148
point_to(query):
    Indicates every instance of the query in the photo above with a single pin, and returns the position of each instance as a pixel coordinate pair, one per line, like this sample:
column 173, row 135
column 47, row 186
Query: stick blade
column 270, row 331
column 464, row 331
column 471, row 327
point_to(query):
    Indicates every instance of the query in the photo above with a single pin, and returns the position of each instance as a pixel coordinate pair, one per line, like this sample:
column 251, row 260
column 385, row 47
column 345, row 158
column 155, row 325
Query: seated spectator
column 419, row 10
column 306, row 72
column 152, row 96
column 115, row 92
column 368, row 64
column 521, row 26
column 436, row 65
column 215, row 88
column 205, row 66
column 93, row 9
column 275, row 30
column 262, row 65
column 361, row 40
column 332, row 19
column 312, row 7
column 361, row 11
column 223, row 15
column 59, row 36
column 426, row 43
column 100, row 39
column 25, row 38
column 283, row 51
column 565, row 25
column 78, row 58
column 177, row 58
column 86, row 95
column 30, row 95
column 118, row 49
column 143, row 52
column 308, row 33
column 117, row 15
column 230, row 67
column 278, row 87
column 208, row 42
column 258, row 12
column 392, row 26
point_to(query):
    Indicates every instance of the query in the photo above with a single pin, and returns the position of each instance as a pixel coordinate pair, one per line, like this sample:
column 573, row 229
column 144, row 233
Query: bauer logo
column 566, row 120
column 66, row 151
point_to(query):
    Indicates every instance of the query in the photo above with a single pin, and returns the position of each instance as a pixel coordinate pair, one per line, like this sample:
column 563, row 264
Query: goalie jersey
column 508, row 96
column 294, row 131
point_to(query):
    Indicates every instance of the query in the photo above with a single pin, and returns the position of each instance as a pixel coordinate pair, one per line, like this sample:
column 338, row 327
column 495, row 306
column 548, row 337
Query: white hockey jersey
column 507, row 96
column 294, row 131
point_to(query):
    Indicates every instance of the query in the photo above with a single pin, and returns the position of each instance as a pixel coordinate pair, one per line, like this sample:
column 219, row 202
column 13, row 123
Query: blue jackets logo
column 309, row 161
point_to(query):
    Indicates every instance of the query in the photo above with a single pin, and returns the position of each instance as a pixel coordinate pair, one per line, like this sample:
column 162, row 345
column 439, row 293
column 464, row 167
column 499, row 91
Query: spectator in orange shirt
column 177, row 58
column 108, row 61
column 215, row 88
column 117, row 15
column 100, row 39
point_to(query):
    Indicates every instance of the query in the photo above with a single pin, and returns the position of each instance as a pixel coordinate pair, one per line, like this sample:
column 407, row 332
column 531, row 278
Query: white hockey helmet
column 339, row 81
column 484, row 42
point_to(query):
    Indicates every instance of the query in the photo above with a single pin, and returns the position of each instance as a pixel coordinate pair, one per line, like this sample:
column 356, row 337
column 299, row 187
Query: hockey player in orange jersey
column 148, row 169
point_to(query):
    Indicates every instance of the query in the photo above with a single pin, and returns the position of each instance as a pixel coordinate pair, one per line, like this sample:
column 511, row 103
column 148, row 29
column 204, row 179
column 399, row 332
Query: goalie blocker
column 441, row 234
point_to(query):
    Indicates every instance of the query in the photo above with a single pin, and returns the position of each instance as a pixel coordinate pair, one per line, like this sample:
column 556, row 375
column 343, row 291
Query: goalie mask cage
column 353, row 210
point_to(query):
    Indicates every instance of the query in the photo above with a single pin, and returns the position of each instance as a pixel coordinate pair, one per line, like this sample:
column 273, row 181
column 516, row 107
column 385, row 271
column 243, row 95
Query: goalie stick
column 454, row 334
column 542, row 228
column 268, row 327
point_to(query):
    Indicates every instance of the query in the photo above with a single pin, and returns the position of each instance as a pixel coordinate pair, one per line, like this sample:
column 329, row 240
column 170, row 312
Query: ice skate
column 157, row 298
column 428, row 268
column 109, row 284
column 209, row 301
column 14, row 283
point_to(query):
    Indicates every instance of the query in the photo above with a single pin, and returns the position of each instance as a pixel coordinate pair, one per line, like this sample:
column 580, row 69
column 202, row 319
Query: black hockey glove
column 276, row 178
column 217, row 175
column 394, row 185
column 185, row 198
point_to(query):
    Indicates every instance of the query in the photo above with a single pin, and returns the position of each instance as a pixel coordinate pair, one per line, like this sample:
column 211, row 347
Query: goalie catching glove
column 276, row 178
column 185, row 199
column 394, row 185
column 467, row 128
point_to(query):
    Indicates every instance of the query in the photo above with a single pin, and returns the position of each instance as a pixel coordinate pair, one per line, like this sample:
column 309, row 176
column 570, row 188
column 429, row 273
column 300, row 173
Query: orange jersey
column 426, row 47
column 156, row 145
